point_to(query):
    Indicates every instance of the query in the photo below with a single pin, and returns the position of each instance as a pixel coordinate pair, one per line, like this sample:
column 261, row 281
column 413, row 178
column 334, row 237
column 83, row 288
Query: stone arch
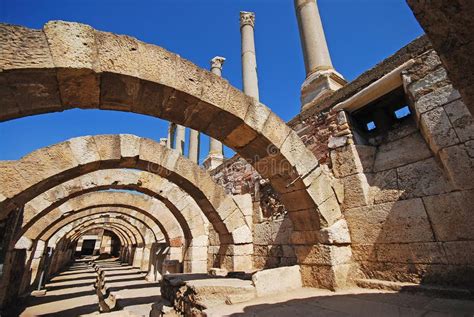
column 78, row 232
column 146, row 205
column 137, row 239
column 98, row 218
column 46, row 168
column 78, row 67
column 134, row 235
column 58, row 224
column 183, row 207
column 193, row 253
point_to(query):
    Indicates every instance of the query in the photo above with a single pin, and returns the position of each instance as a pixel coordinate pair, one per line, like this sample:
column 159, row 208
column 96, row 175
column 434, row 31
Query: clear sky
column 360, row 34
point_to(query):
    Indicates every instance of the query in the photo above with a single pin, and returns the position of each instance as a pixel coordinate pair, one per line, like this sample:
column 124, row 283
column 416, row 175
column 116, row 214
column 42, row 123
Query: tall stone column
column 249, row 60
column 216, row 153
column 321, row 78
column 180, row 138
column 171, row 135
column 194, row 146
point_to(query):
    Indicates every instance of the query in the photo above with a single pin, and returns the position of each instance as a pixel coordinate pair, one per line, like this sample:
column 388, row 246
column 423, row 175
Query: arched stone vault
column 137, row 238
column 70, row 65
column 149, row 206
column 58, row 224
column 138, row 228
column 183, row 207
column 120, row 231
column 77, row 234
column 46, row 168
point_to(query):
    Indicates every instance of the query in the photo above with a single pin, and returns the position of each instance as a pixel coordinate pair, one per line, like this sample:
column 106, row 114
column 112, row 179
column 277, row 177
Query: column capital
column 247, row 18
column 217, row 62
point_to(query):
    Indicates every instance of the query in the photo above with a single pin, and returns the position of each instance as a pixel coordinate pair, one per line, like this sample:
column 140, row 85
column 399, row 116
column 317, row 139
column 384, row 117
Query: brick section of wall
column 315, row 131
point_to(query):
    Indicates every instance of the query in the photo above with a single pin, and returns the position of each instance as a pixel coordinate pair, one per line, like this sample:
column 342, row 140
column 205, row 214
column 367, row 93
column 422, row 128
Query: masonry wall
column 408, row 195
column 271, row 226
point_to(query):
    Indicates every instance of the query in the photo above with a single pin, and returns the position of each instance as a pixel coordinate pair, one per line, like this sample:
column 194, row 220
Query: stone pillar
column 249, row 60
column 180, row 138
column 171, row 135
column 216, row 153
column 321, row 78
column 194, row 146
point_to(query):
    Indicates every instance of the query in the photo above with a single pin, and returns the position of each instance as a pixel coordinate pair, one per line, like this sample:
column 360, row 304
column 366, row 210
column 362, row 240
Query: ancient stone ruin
column 365, row 195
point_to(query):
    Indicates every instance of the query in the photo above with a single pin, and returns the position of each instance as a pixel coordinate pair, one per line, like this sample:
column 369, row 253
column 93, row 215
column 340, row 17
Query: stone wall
column 407, row 195
column 271, row 226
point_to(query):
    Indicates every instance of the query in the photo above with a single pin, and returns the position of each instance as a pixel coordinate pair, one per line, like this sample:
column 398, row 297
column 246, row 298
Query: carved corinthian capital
column 217, row 62
column 247, row 18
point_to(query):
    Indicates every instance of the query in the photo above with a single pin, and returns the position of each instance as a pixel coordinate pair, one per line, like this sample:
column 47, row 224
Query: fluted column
column 180, row 138
column 216, row 153
column 194, row 146
column 249, row 60
column 321, row 78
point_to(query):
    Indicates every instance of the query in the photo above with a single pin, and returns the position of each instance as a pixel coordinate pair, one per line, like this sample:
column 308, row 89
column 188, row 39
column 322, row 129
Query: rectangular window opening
column 402, row 112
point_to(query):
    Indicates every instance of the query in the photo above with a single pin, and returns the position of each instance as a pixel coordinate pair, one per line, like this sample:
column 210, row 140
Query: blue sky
column 360, row 33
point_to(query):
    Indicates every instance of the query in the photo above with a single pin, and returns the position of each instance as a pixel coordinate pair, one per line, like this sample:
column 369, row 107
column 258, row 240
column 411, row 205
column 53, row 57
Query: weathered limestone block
column 461, row 119
column 338, row 233
column 242, row 235
column 422, row 178
column 245, row 204
column 321, row 254
column 451, row 215
column 319, row 189
column 356, row 191
column 196, row 253
column 401, row 221
column 218, row 272
column 459, row 252
column 46, row 162
column 23, row 48
column 256, row 116
column 436, row 99
column 428, row 252
column 329, row 211
column 275, row 130
column 108, row 146
column 384, row 186
column 352, row 159
column 191, row 294
column 429, row 83
column 329, row 277
column 400, row 152
column 84, row 150
column 298, row 155
column 274, row 281
column 337, row 141
column 10, row 175
column 195, row 266
column 437, row 129
column 459, row 164
column 74, row 51
column 363, row 252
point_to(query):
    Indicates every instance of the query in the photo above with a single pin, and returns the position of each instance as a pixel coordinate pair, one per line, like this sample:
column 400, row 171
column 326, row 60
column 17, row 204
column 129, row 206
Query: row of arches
column 51, row 192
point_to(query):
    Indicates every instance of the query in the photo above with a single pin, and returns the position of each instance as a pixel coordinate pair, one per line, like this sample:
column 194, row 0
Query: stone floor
column 355, row 302
column 72, row 293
